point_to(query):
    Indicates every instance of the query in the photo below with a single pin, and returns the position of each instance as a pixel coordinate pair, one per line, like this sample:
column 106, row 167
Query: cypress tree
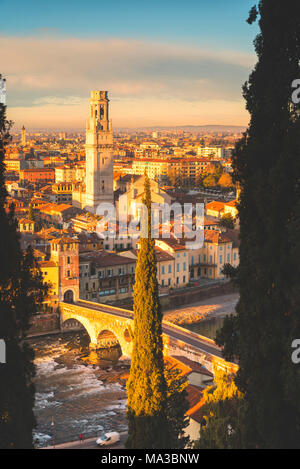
column 148, row 427
column 267, row 166
column 21, row 291
column 177, row 406
column 30, row 213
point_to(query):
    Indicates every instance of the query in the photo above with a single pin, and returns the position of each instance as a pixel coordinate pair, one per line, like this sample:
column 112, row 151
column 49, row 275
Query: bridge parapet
column 98, row 318
column 95, row 322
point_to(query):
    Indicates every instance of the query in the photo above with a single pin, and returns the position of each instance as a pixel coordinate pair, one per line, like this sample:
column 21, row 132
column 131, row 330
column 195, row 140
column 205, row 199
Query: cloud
column 66, row 101
column 52, row 71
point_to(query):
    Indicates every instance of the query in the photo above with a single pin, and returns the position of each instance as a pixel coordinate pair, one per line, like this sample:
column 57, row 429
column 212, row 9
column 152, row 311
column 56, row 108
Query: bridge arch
column 117, row 328
column 73, row 324
column 107, row 339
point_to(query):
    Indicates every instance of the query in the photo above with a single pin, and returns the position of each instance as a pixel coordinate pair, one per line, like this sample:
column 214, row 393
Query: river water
column 207, row 328
column 77, row 391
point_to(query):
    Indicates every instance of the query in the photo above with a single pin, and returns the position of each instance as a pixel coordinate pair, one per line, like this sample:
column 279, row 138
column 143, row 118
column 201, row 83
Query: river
column 207, row 328
column 77, row 391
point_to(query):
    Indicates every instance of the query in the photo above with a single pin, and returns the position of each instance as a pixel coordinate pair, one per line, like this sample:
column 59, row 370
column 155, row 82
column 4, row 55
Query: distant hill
column 191, row 128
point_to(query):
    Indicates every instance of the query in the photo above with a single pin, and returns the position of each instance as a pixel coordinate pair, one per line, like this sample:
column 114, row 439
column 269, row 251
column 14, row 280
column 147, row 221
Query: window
column 234, row 256
column 184, row 279
column 228, row 257
column 192, row 260
column 211, row 259
column 184, row 266
column 68, row 260
column 170, row 269
column 221, row 259
column 177, row 267
column 163, row 270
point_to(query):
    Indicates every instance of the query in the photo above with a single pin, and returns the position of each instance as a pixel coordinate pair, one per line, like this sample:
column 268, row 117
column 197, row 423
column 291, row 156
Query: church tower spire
column 23, row 136
column 99, row 153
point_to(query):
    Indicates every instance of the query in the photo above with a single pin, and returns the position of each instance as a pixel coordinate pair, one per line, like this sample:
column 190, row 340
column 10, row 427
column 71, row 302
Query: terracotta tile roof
column 173, row 243
column 172, row 362
column 232, row 203
column 194, row 398
column 25, row 220
column 105, row 258
column 216, row 237
column 215, row 205
column 45, row 264
column 194, row 366
column 234, row 236
column 64, row 240
column 162, row 255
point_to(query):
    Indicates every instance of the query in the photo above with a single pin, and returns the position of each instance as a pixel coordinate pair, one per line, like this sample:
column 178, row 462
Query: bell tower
column 99, row 153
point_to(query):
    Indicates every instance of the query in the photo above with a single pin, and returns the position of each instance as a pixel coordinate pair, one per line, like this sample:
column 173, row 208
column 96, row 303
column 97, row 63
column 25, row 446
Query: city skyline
column 164, row 68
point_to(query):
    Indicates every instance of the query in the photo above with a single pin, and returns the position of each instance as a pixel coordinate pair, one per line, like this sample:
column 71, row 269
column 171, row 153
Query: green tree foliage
column 227, row 221
column 209, row 181
column 30, row 213
column 223, row 414
column 21, row 291
column 267, row 165
column 148, row 426
column 225, row 180
column 177, row 406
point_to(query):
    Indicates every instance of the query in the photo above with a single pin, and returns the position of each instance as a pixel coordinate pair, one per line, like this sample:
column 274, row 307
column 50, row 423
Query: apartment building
column 105, row 276
column 219, row 248
column 36, row 175
column 178, row 251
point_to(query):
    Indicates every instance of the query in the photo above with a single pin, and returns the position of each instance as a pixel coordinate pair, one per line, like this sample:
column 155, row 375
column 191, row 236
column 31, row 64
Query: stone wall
column 44, row 322
column 186, row 296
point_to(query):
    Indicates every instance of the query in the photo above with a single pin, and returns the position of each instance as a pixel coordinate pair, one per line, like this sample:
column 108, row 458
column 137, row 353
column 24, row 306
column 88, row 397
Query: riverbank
column 211, row 308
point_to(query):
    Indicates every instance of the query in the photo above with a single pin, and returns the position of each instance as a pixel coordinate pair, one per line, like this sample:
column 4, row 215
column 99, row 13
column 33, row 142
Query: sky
column 164, row 62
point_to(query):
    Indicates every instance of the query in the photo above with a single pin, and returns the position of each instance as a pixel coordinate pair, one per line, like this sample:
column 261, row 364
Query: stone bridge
column 103, row 327
column 108, row 325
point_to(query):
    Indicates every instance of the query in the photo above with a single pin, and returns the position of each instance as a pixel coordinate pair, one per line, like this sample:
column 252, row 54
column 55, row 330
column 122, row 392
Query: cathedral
column 98, row 186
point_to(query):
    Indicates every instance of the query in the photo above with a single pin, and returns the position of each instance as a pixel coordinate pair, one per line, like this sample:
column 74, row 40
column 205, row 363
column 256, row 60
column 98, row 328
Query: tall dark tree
column 177, row 407
column 267, row 166
column 21, row 291
column 148, row 426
